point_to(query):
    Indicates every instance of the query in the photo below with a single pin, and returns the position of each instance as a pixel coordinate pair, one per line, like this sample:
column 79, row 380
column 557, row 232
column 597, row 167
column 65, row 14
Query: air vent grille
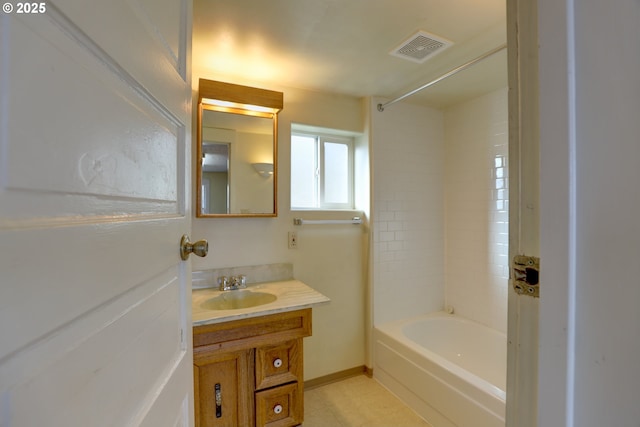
column 420, row 47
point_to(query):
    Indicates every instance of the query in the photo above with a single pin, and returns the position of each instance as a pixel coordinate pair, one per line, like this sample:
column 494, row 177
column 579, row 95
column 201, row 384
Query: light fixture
column 239, row 106
column 231, row 98
column 265, row 170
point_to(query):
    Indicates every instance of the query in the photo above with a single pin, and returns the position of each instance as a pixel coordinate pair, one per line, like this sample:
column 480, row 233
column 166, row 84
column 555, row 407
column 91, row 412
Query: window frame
column 321, row 138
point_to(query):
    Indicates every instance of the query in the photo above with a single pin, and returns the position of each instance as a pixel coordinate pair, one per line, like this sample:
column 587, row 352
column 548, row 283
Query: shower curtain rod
column 464, row 66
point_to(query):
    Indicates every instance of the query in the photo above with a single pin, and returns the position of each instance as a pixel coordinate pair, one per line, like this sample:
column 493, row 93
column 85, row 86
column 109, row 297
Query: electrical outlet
column 293, row 240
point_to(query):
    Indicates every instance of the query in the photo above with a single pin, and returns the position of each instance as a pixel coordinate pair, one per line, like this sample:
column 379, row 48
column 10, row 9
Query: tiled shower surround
column 440, row 210
column 408, row 232
column 476, row 209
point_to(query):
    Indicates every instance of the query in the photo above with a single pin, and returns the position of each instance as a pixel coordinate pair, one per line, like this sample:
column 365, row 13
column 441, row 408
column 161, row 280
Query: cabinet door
column 222, row 389
column 278, row 364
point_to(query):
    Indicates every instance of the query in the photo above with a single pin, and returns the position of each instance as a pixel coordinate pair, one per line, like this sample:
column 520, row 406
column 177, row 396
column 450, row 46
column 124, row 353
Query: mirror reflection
column 215, row 178
column 237, row 150
column 231, row 145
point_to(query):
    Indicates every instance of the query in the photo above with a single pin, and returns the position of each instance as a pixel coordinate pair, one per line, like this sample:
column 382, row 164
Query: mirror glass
column 236, row 164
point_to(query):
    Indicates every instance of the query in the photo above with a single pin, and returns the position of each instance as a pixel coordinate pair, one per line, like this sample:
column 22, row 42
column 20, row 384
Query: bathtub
column 450, row 370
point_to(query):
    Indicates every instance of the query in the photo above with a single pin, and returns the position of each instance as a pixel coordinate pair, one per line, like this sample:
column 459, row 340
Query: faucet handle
column 233, row 282
column 237, row 282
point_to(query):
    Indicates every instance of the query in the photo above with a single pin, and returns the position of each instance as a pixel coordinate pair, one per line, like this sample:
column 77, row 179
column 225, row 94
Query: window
column 321, row 171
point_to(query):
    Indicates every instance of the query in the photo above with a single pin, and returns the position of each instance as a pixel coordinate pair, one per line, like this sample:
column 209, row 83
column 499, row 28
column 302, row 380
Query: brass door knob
column 200, row 248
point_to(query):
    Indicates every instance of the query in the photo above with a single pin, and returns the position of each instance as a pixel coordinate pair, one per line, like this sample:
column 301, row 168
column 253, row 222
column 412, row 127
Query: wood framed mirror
column 237, row 147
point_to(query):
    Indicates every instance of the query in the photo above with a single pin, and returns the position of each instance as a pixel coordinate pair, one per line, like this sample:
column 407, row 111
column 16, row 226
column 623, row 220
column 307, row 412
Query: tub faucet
column 232, row 283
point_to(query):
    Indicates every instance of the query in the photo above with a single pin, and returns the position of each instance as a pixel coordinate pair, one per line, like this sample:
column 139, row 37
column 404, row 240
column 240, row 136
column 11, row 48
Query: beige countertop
column 292, row 295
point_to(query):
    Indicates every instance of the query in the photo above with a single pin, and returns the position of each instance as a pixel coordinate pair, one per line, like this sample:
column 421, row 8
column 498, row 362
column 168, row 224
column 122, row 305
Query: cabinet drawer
column 280, row 406
column 279, row 364
column 254, row 332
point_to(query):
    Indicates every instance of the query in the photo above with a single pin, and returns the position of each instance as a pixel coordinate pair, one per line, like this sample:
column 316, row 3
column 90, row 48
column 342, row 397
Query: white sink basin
column 234, row 300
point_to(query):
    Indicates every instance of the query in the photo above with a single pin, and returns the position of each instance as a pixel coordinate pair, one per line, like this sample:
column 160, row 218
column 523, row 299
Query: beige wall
column 329, row 258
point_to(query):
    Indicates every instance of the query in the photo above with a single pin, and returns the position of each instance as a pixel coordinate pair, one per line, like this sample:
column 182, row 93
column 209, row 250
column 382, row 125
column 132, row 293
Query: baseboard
column 368, row 371
column 338, row 376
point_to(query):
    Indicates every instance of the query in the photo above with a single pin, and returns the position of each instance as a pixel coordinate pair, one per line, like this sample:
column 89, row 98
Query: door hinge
column 525, row 275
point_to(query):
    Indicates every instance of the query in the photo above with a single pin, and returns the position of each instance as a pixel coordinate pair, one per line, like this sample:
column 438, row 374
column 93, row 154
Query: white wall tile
column 408, row 154
column 441, row 210
column 476, row 209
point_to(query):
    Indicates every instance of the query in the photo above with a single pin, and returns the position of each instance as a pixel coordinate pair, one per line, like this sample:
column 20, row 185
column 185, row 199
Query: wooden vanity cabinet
column 255, row 368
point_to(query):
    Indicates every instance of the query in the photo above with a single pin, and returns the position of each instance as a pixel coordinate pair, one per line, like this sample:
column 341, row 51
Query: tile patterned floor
column 357, row 402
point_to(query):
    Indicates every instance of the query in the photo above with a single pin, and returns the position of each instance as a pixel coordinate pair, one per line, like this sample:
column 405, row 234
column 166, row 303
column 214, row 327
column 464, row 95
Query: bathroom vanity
column 248, row 361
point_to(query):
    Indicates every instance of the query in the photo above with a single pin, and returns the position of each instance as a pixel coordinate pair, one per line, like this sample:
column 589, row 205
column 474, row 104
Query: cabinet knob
column 277, row 363
column 277, row 409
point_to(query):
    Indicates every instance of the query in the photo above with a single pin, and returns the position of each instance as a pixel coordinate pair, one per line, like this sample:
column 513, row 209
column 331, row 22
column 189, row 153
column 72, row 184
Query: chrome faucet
column 232, row 283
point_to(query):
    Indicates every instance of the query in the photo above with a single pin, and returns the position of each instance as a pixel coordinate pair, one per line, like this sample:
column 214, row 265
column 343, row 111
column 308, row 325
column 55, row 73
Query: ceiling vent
column 420, row 47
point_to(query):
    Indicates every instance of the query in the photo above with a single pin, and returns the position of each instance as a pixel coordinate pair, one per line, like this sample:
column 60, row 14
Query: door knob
column 200, row 248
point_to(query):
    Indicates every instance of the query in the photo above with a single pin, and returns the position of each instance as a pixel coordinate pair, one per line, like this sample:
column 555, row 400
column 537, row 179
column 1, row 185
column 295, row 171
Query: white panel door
column 95, row 130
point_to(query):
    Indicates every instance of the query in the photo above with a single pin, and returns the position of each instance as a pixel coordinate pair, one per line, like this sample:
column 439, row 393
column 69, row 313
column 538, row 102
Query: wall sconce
column 265, row 170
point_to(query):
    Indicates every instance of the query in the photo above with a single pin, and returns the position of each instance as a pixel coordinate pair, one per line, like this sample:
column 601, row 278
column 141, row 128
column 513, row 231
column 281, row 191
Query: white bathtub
column 450, row 370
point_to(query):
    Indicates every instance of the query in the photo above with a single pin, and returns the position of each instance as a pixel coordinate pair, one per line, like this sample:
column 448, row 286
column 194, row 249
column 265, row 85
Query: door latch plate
column 525, row 275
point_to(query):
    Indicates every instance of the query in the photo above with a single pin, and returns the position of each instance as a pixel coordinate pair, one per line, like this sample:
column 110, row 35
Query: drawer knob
column 277, row 363
column 277, row 409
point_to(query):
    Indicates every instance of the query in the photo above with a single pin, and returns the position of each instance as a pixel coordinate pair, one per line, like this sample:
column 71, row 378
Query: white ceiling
column 342, row 46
